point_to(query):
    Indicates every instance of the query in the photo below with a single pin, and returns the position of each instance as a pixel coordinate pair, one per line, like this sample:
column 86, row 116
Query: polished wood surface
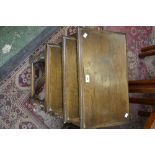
column 148, row 48
column 150, row 123
column 53, row 83
column 103, row 80
column 148, row 53
column 142, row 82
column 47, row 77
column 70, row 81
column 142, row 86
column 146, row 101
column 142, row 89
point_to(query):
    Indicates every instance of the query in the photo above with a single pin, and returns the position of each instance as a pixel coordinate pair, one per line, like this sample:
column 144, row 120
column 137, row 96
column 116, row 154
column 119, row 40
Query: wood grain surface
column 102, row 59
column 70, row 81
column 53, row 84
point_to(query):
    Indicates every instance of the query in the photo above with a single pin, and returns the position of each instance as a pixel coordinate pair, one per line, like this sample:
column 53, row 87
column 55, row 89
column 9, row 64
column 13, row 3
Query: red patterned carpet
column 16, row 109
